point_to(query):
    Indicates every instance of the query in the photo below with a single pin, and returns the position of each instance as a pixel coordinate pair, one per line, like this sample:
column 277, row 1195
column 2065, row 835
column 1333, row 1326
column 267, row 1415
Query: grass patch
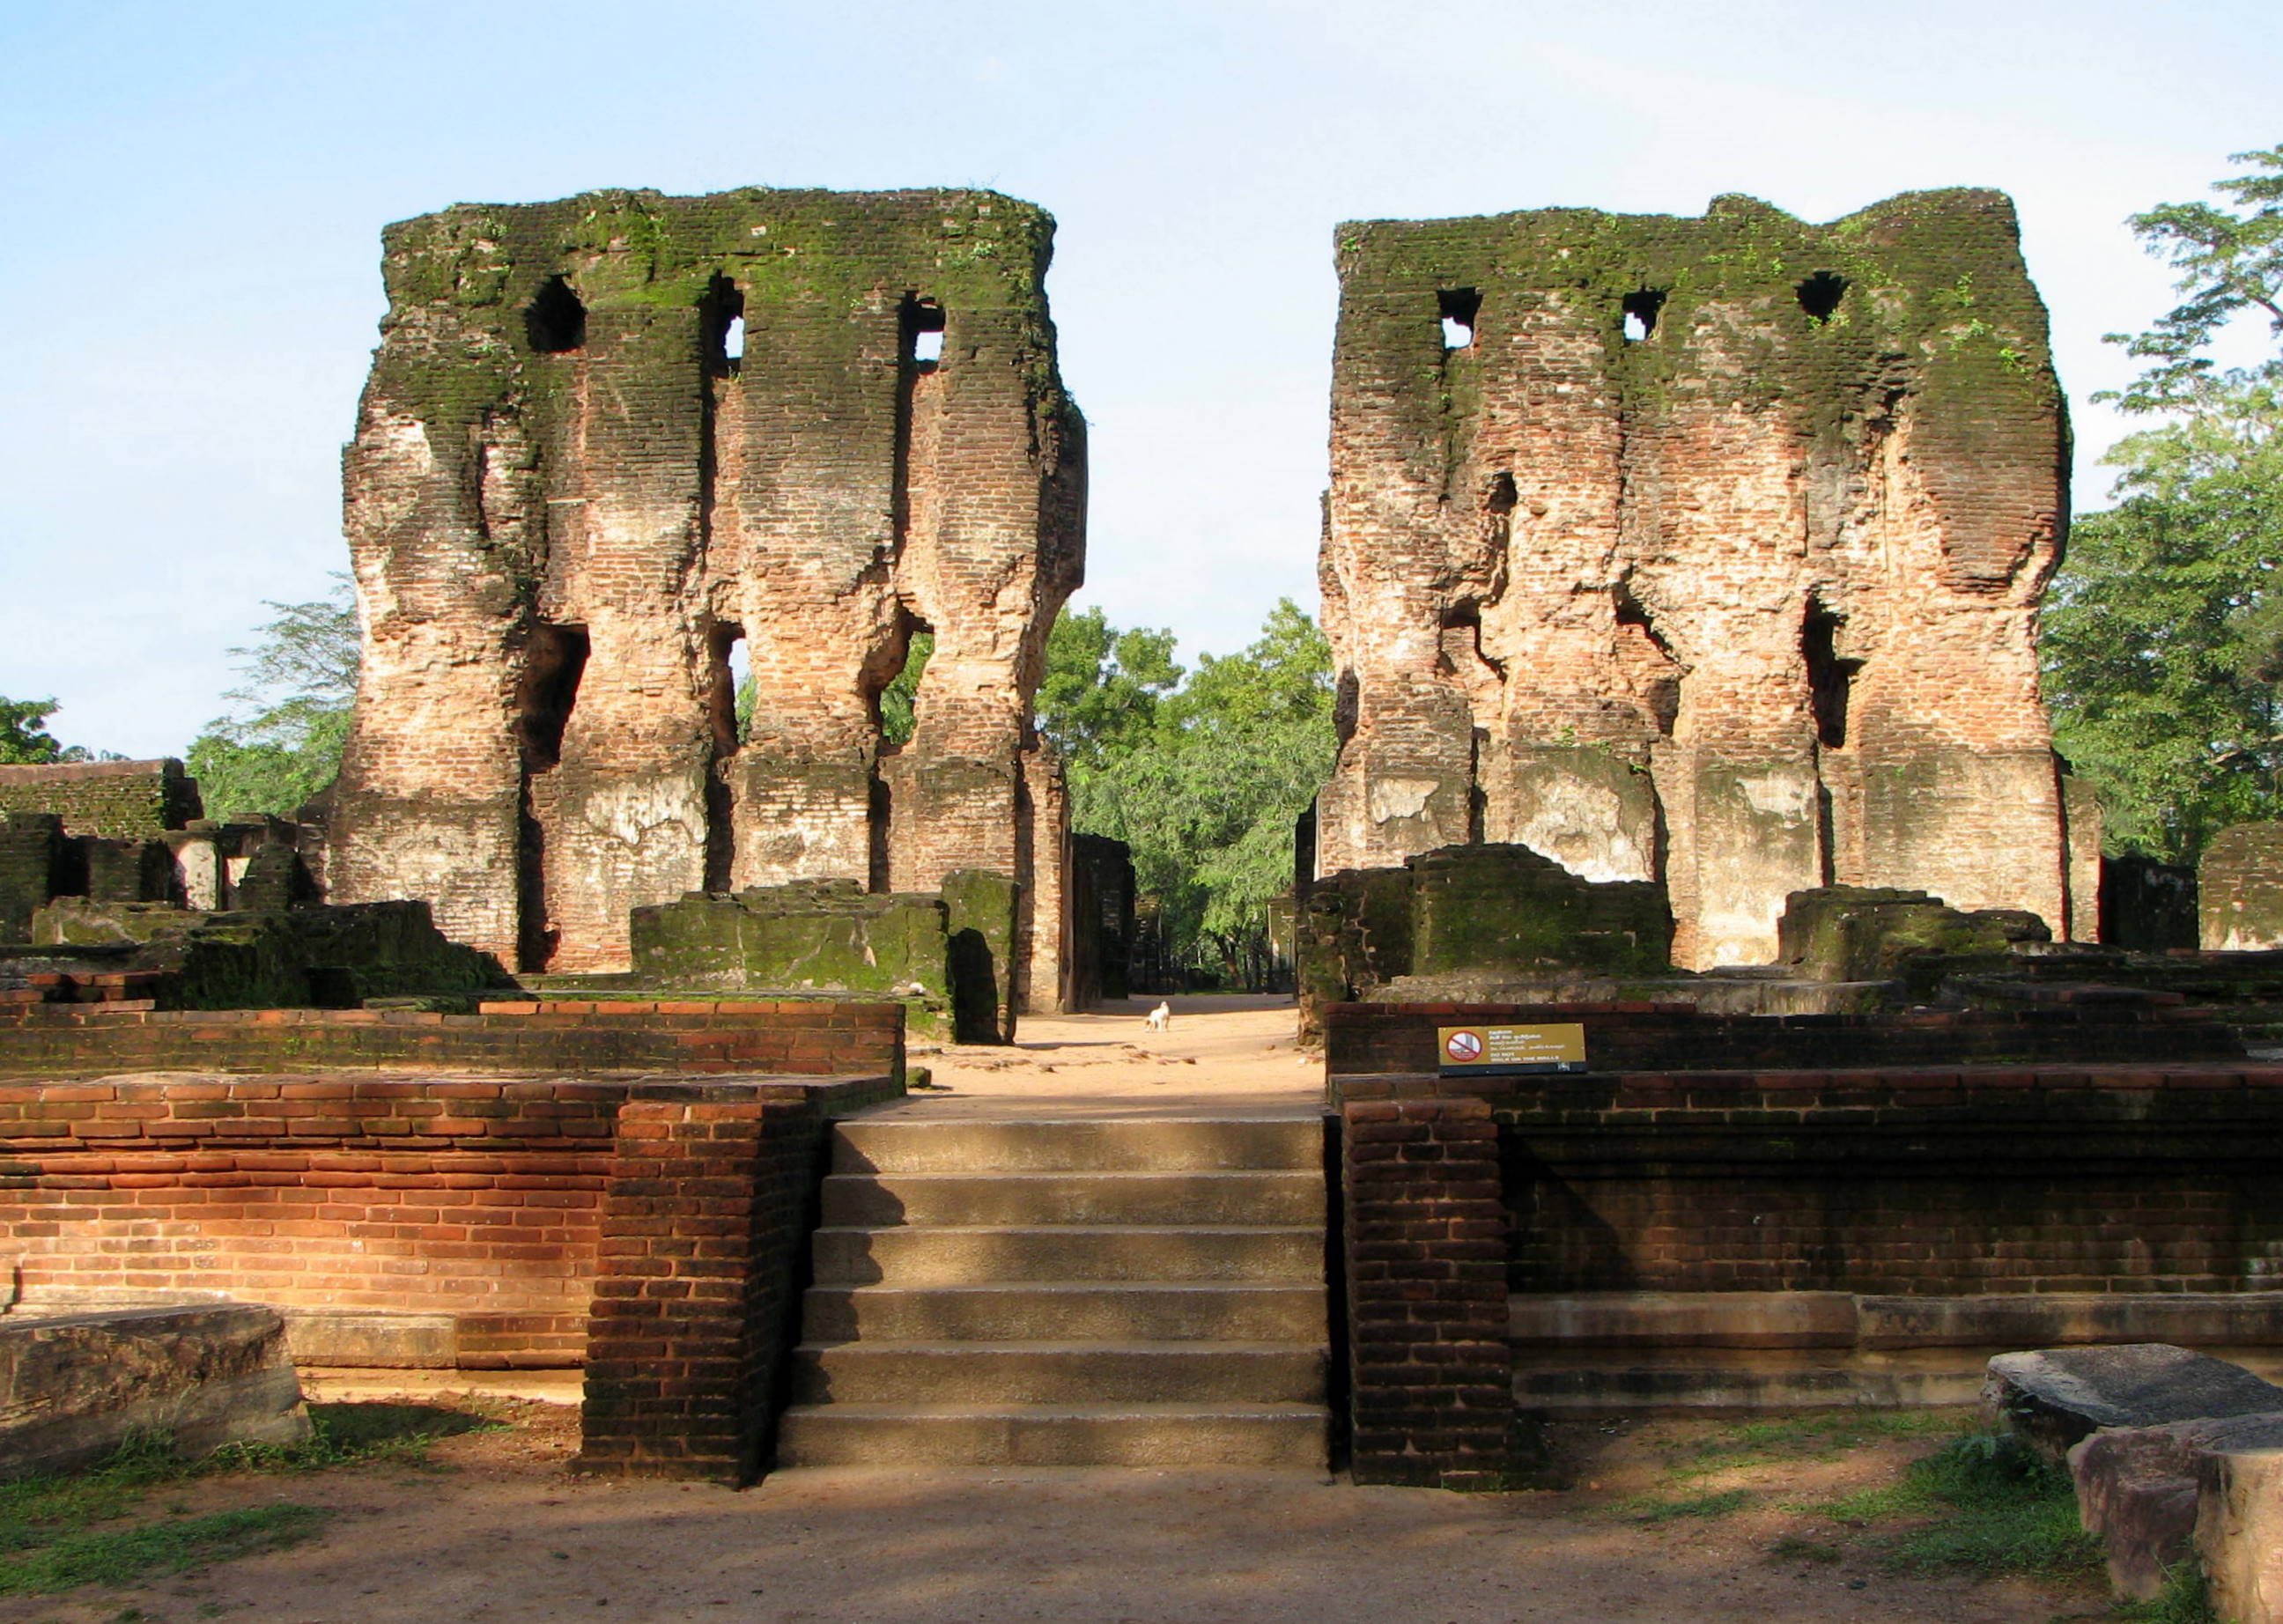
column 1809, row 1437
column 154, row 1550
column 1655, row 1508
column 1985, row 1504
column 53, row 1532
column 2185, row 1600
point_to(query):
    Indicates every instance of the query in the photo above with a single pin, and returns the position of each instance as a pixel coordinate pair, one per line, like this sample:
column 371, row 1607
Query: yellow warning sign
column 1510, row 1051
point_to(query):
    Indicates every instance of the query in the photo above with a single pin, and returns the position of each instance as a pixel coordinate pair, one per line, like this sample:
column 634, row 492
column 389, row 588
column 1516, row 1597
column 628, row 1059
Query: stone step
column 987, row 1373
column 1292, row 1437
column 1061, row 1145
column 872, row 1199
column 973, row 1255
column 1066, row 1311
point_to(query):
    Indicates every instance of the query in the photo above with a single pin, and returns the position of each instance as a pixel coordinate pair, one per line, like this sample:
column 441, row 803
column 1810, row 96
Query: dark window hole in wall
column 1659, row 672
column 1640, row 312
column 1458, row 307
column 1830, row 679
column 892, row 682
column 1819, row 295
column 882, row 815
column 722, row 311
column 555, row 321
column 1347, row 701
column 730, row 698
column 555, row 657
column 1502, row 494
column 923, row 333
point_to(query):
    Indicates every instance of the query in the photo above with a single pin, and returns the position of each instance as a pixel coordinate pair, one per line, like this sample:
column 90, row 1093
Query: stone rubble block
column 2055, row 1397
column 72, row 1388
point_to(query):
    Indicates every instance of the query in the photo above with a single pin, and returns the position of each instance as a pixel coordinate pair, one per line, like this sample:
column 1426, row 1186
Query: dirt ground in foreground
column 496, row 1530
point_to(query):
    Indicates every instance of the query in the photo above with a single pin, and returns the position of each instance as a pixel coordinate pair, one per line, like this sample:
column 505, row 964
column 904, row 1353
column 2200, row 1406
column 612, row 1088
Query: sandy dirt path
column 504, row 1534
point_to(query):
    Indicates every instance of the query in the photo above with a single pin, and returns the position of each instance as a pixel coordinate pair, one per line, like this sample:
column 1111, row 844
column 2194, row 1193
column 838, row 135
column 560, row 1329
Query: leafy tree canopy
column 2163, row 632
column 1203, row 781
column 24, row 737
column 280, row 743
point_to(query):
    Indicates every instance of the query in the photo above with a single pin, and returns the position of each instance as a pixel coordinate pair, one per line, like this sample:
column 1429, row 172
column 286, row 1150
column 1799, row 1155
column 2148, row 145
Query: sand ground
column 496, row 1531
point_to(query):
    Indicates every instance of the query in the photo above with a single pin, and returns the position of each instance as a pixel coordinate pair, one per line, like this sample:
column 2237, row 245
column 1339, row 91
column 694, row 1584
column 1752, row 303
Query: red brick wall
column 806, row 1037
column 482, row 1199
column 1428, row 1372
column 708, row 1211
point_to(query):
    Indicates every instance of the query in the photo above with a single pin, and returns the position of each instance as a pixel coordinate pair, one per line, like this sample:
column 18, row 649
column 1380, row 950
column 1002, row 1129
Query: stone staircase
column 1066, row 1293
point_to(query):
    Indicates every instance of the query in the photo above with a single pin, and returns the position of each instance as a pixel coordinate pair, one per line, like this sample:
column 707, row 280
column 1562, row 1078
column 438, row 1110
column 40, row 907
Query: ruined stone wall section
column 1709, row 553
column 569, row 501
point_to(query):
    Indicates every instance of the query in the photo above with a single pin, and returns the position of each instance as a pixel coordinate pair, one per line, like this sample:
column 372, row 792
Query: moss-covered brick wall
column 117, row 800
column 609, row 440
column 31, row 851
column 2239, row 888
column 1704, row 550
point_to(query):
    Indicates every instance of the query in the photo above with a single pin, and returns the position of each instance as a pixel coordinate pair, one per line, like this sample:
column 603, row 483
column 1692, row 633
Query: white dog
column 1161, row 1017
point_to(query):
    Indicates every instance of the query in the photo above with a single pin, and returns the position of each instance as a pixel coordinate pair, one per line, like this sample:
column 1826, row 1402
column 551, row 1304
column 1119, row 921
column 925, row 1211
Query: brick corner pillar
column 704, row 1219
column 1431, row 1389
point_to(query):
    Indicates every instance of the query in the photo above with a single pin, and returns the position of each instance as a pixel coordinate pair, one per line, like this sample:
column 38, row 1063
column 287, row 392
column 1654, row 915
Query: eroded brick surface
column 568, row 503
column 1745, row 603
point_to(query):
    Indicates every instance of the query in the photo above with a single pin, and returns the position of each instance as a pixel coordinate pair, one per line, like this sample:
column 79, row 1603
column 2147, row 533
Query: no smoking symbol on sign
column 1463, row 1046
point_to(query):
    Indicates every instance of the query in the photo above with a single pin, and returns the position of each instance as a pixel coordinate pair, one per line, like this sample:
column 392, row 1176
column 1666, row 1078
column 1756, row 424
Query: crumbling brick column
column 704, row 1220
column 1431, row 1398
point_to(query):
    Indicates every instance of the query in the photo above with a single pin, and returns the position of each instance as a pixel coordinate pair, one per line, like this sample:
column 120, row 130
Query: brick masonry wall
column 1741, row 601
column 707, row 1212
column 117, row 800
column 1361, row 1040
column 494, row 1200
column 566, row 502
column 1429, row 1370
column 799, row 1035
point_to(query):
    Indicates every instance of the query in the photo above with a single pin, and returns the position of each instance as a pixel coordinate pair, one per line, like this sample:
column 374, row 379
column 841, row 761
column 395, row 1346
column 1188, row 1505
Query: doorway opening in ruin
column 554, row 660
column 1640, row 310
column 722, row 314
column 1819, row 295
column 556, row 320
column 1830, row 679
column 1648, row 661
column 1458, row 307
column 890, row 683
column 729, row 666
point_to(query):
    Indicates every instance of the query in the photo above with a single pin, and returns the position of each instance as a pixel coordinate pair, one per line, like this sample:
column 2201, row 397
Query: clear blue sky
column 189, row 282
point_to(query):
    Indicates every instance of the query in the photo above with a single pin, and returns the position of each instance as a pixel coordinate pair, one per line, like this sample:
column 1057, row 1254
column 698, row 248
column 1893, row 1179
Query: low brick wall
column 809, row 1037
column 1429, row 1370
column 482, row 1202
column 1364, row 1039
column 2147, row 1183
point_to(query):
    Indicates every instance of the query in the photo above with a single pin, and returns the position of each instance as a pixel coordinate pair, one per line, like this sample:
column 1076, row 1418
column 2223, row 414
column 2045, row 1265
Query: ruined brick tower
column 1705, row 550
column 607, row 439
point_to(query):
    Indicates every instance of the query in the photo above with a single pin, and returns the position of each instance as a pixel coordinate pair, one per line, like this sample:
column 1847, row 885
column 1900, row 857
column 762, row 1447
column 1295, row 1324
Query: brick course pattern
column 807, row 1036
column 1430, row 1375
column 706, row 1215
column 1367, row 1042
column 117, row 800
column 568, row 501
column 1709, row 554
column 647, row 1228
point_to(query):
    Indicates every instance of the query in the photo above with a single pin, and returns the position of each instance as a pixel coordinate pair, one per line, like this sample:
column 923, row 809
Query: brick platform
column 803, row 1037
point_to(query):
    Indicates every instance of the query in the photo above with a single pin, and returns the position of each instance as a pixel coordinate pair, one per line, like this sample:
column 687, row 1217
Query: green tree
column 281, row 742
column 1206, row 794
column 24, row 737
column 2163, row 632
column 1100, row 692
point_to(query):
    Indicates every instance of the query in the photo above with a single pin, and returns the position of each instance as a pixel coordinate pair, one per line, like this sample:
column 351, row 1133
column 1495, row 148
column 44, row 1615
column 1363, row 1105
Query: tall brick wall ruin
column 1701, row 550
column 606, row 440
